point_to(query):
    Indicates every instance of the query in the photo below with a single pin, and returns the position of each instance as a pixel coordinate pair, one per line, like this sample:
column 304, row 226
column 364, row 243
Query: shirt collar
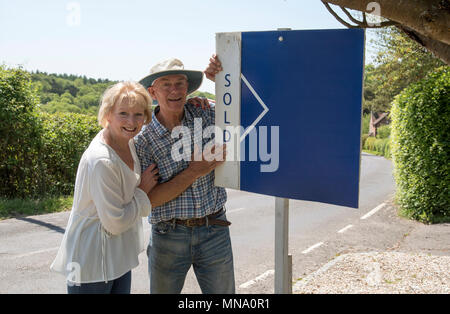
column 161, row 129
column 156, row 125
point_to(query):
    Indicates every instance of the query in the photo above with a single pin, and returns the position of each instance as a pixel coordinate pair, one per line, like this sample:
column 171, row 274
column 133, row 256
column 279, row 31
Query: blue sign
column 294, row 99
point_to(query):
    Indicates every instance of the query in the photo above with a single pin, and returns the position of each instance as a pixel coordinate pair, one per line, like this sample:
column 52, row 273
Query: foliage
column 421, row 148
column 384, row 131
column 76, row 94
column 400, row 62
column 365, row 123
column 378, row 146
column 203, row 94
column 21, row 131
column 66, row 137
column 10, row 208
column 69, row 93
column 39, row 152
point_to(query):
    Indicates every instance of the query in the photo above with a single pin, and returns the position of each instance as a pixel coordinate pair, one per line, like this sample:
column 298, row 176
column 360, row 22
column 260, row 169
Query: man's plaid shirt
column 154, row 145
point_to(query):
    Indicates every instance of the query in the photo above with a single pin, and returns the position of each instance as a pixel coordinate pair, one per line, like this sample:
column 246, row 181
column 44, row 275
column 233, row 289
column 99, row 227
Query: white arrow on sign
column 253, row 125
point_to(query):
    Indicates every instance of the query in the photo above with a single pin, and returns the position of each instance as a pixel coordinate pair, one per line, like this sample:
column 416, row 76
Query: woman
column 104, row 234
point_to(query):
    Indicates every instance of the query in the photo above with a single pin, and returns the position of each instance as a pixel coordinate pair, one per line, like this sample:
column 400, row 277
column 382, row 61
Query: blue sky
column 121, row 40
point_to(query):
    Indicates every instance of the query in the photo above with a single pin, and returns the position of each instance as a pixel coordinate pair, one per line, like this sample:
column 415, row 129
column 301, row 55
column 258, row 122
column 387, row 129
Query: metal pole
column 283, row 263
column 282, row 280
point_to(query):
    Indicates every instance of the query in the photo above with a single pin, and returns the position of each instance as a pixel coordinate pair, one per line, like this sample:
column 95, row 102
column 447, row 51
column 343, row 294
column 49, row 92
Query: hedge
column 66, row 136
column 381, row 146
column 421, row 148
column 39, row 152
column 21, row 132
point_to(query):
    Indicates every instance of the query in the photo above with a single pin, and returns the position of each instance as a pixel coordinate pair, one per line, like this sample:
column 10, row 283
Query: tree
column 425, row 21
column 399, row 63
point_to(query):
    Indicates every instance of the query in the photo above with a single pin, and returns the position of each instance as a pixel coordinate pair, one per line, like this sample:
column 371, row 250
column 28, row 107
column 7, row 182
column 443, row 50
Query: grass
column 374, row 152
column 11, row 208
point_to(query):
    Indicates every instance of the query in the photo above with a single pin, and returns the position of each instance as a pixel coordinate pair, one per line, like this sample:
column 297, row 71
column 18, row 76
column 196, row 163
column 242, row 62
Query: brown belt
column 197, row 222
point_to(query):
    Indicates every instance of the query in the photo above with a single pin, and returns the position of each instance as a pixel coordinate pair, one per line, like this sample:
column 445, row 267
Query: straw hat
column 170, row 67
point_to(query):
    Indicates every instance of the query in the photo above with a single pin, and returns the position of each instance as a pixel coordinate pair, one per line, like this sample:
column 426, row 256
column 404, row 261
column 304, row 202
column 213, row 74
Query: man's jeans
column 174, row 248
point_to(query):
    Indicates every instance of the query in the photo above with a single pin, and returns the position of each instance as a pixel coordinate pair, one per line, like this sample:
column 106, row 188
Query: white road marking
column 259, row 278
column 235, row 210
column 345, row 229
column 315, row 246
column 373, row 211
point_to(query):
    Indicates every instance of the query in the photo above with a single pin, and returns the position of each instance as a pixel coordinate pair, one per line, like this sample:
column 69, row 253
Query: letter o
column 225, row 99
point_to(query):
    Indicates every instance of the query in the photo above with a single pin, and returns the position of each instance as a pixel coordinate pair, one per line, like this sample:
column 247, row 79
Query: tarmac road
column 317, row 233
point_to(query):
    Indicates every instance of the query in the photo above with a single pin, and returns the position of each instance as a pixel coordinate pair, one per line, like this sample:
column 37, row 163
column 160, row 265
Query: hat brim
column 195, row 78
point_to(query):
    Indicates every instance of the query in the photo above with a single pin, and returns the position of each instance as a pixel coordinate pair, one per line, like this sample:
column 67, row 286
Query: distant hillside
column 71, row 93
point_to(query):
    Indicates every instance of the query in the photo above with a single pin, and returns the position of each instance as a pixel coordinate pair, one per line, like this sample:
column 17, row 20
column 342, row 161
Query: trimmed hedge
column 66, row 136
column 39, row 152
column 21, row 131
column 421, row 148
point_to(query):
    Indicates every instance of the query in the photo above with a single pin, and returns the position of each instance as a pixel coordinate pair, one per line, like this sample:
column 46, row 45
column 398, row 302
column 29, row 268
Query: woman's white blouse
column 104, row 235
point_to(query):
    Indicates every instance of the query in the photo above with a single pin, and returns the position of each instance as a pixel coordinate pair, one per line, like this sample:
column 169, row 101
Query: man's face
column 170, row 91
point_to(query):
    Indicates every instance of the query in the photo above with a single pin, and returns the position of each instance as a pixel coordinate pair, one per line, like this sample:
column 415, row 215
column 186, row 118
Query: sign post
column 289, row 106
column 283, row 277
column 283, row 284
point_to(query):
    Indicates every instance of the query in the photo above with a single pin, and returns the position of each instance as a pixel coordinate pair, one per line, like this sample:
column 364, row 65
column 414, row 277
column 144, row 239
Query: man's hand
column 200, row 165
column 203, row 163
column 214, row 67
column 199, row 102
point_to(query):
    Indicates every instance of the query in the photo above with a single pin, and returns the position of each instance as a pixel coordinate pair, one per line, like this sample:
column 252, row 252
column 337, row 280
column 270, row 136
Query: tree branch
column 337, row 17
column 359, row 24
column 437, row 48
column 430, row 18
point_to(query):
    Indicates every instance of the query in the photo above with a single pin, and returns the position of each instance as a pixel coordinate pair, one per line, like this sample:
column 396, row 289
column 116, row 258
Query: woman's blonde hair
column 132, row 92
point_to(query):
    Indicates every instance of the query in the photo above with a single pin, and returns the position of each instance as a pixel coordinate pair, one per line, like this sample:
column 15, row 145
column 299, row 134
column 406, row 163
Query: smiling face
column 170, row 91
column 125, row 121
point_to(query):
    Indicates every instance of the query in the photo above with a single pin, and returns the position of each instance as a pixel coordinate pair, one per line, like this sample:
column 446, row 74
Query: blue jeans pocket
column 162, row 228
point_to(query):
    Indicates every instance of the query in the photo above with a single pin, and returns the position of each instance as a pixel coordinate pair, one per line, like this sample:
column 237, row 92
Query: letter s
column 227, row 78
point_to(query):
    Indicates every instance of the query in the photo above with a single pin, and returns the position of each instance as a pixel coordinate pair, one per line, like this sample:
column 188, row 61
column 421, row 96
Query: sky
column 122, row 40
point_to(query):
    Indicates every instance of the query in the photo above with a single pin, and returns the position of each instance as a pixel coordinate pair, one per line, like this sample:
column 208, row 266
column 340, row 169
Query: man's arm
column 198, row 167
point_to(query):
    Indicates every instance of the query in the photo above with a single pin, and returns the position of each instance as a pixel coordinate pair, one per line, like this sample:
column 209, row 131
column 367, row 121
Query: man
column 189, row 225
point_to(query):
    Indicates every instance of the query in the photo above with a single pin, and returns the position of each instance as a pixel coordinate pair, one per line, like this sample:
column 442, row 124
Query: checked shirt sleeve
column 143, row 150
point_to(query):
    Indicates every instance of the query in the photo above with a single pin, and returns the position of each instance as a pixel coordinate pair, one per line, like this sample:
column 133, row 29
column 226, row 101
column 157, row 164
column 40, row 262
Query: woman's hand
column 214, row 67
column 199, row 102
column 149, row 178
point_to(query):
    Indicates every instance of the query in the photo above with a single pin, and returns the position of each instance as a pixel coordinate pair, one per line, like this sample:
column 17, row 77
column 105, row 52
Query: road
column 317, row 233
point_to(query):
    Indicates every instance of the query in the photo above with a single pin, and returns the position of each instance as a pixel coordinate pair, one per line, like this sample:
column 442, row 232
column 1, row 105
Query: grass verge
column 11, row 208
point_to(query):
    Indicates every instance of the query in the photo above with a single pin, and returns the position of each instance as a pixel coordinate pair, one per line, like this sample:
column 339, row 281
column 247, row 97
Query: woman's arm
column 106, row 192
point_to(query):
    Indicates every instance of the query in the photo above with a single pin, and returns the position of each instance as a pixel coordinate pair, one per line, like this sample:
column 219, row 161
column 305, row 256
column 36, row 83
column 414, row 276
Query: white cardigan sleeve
column 105, row 188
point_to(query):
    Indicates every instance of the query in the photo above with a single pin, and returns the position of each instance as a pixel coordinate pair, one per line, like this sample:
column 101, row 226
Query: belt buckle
column 190, row 223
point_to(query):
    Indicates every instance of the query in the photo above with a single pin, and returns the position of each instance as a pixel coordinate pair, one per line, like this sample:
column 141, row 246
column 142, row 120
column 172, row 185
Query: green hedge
column 379, row 146
column 66, row 136
column 421, row 148
column 39, row 152
column 20, row 135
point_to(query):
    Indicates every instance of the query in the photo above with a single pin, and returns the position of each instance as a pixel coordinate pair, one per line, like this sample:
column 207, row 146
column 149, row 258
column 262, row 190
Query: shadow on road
column 43, row 224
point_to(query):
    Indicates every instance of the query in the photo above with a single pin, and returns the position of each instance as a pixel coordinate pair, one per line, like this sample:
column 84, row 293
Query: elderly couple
column 126, row 174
